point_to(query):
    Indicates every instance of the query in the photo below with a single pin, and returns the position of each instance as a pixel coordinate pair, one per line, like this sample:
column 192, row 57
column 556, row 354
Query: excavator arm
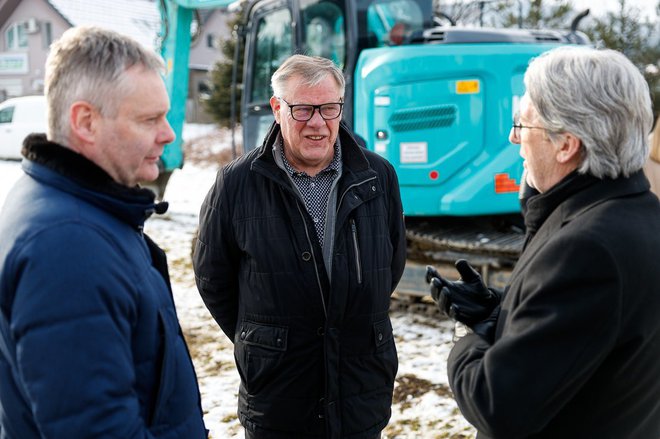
column 175, row 34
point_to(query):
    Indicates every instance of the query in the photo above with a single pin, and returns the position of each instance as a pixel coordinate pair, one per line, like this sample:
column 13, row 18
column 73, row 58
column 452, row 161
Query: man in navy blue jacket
column 90, row 343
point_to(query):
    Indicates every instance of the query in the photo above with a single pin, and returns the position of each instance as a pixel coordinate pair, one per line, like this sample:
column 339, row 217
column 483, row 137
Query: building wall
column 22, row 69
column 206, row 51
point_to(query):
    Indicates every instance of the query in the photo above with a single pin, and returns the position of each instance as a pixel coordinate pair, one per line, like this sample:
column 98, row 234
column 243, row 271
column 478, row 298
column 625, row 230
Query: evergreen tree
column 219, row 102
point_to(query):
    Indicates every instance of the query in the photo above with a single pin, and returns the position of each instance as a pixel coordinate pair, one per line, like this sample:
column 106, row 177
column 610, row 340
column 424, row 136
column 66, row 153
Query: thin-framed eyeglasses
column 304, row 112
column 517, row 126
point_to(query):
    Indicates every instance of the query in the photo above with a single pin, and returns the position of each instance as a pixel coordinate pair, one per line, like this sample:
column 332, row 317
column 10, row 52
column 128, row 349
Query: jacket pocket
column 265, row 336
column 260, row 349
column 386, row 355
column 382, row 332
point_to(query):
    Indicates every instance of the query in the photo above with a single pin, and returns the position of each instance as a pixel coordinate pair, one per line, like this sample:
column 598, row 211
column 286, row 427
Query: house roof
column 137, row 18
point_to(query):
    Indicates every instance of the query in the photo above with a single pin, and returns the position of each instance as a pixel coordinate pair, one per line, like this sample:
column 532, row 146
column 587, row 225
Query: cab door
column 272, row 36
column 269, row 41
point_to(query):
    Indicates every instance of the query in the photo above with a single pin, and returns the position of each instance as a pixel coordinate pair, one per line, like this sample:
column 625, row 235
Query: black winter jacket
column 577, row 343
column 316, row 357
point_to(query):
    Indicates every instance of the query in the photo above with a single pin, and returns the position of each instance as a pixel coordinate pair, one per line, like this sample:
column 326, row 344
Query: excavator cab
column 335, row 29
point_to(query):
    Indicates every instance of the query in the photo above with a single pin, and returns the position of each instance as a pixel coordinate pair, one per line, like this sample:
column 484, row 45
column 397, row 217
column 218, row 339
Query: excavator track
column 491, row 244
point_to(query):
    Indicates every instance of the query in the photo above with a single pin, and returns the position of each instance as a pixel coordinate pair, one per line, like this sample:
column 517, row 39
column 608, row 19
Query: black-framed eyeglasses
column 517, row 126
column 304, row 112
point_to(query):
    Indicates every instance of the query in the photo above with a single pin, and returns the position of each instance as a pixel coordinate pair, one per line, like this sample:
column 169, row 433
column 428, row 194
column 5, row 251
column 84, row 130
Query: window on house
column 47, row 34
column 16, row 37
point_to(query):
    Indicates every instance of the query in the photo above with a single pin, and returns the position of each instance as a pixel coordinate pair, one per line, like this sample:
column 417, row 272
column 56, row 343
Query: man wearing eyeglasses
column 301, row 244
column 571, row 348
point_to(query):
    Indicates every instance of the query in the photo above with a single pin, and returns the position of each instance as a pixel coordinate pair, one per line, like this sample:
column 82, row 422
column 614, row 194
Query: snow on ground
column 423, row 408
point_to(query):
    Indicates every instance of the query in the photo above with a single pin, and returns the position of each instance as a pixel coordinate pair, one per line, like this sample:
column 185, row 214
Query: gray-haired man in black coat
column 572, row 347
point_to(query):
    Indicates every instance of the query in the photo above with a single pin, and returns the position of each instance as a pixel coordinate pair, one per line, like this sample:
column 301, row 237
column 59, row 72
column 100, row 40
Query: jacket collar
column 540, row 206
column 69, row 171
column 578, row 192
column 572, row 196
column 353, row 158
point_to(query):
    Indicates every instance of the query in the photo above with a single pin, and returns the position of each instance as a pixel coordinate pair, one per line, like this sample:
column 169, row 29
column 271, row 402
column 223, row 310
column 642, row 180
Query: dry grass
column 212, row 149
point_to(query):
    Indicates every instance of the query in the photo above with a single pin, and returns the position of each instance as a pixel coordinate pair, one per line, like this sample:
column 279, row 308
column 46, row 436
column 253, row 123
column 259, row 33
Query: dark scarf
column 68, row 163
column 84, row 172
column 539, row 207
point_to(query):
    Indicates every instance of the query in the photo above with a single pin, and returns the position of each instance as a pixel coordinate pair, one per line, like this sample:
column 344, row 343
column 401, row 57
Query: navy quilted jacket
column 91, row 342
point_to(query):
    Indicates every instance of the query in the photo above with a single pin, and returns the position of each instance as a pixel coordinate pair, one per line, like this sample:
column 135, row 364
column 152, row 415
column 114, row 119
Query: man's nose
column 513, row 138
column 167, row 134
column 317, row 119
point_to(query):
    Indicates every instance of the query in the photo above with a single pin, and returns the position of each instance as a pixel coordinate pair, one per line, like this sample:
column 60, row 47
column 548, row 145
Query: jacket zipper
column 311, row 247
column 356, row 247
column 316, row 270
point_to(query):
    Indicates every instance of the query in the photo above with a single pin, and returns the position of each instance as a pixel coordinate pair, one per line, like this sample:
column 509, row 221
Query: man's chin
column 528, row 179
column 149, row 173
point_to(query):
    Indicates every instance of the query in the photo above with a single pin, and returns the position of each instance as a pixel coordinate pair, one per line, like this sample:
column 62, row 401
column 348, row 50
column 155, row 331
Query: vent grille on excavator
column 423, row 117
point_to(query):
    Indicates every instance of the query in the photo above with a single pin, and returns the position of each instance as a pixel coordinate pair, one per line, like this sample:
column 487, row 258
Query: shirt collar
column 333, row 166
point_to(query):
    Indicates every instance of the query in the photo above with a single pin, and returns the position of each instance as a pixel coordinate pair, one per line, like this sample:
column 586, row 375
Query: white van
column 18, row 118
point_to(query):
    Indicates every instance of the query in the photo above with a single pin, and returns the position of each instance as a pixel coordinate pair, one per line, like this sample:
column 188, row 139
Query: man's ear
column 83, row 121
column 275, row 104
column 570, row 149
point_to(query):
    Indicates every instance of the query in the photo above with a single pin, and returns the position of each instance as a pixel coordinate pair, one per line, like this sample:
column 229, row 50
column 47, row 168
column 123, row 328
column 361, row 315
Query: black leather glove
column 466, row 300
column 486, row 327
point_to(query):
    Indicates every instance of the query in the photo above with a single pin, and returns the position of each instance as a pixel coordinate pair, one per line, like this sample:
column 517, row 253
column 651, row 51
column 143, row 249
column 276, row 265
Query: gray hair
column 88, row 64
column 311, row 69
column 598, row 96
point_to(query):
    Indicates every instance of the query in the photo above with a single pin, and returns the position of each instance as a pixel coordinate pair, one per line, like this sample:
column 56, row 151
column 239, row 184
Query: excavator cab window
column 391, row 21
column 323, row 30
column 273, row 44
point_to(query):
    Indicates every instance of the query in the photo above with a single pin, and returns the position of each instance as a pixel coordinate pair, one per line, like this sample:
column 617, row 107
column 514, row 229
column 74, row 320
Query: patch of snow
column 193, row 131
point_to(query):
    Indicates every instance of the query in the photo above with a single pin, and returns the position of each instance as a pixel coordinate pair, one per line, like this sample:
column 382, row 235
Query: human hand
column 486, row 327
column 466, row 300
